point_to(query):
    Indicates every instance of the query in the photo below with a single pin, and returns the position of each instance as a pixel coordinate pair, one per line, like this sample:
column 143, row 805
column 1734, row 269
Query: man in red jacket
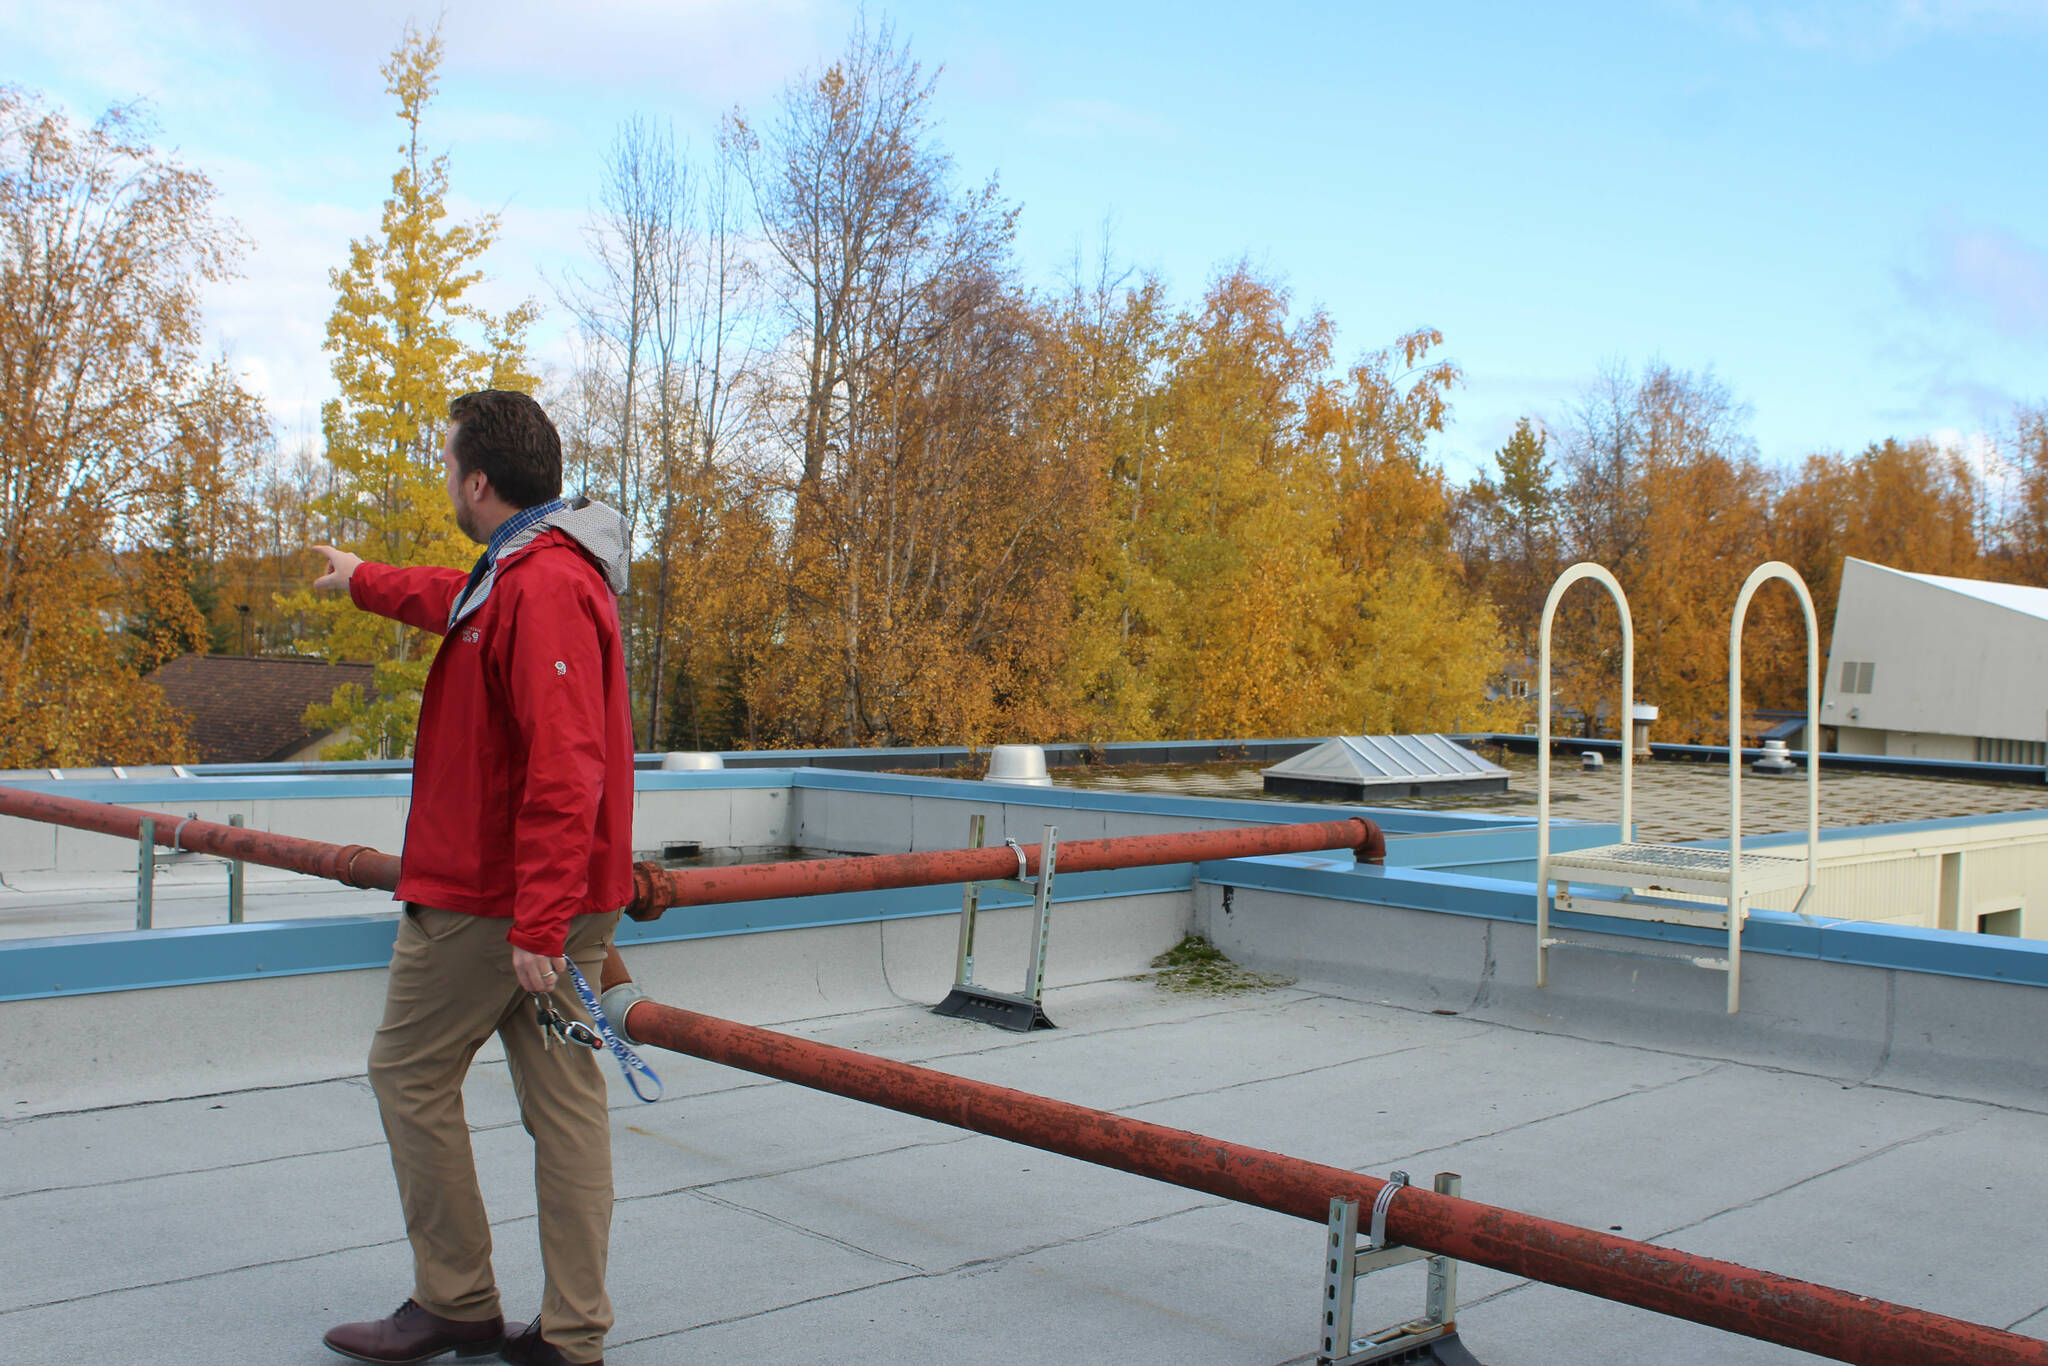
column 518, row 851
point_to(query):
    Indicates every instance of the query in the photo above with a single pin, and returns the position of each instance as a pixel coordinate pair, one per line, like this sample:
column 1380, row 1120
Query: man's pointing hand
column 340, row 565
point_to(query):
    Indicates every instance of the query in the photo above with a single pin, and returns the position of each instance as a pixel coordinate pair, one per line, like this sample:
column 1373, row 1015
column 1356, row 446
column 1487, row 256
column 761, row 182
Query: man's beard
column 465, row 522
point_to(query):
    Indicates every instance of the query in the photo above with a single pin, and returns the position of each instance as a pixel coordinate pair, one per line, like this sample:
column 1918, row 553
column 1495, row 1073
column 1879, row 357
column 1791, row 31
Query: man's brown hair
column 508, row 437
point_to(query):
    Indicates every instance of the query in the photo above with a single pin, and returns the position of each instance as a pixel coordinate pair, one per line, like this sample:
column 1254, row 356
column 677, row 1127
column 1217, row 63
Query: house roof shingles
column 252, row 710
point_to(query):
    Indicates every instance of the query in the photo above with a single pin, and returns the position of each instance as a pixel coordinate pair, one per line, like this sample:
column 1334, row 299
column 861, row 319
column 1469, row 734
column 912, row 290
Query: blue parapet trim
column 1460, row 852
column 1394, row 821
column 370, row 780
column 662, row 780
column 132, row 960
column 1946, row 953
column 1967, row 769
column 315, row 768
column 1938, row 826
column 170, row 792
column 81, row 964
column 1949, row 953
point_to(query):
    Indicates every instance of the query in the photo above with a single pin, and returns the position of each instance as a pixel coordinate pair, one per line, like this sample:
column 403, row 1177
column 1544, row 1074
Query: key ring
column 553, row 1025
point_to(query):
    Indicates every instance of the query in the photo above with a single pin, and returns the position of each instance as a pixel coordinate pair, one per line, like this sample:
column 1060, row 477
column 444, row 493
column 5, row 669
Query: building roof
column 252, row 710
column 1859, row 1096
column 2014, row 597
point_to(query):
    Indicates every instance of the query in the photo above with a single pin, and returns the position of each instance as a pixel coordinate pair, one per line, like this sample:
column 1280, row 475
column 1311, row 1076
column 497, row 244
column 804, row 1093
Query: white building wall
column 1922, row 744
column 1946, row 667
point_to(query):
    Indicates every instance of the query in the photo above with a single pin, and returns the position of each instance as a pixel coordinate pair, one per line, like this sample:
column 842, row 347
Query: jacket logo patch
column 470, row 635
column 560, row 667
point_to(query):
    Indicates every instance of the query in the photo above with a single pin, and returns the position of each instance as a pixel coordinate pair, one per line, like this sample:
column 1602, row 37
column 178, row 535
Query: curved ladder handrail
column 1762, row 574
column 1583, row 570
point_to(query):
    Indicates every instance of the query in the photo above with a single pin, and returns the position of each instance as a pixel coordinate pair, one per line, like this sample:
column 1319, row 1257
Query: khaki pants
column 451, row 987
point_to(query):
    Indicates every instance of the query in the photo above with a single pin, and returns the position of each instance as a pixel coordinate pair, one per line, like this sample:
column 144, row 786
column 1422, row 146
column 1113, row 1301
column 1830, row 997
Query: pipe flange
column 646, row 903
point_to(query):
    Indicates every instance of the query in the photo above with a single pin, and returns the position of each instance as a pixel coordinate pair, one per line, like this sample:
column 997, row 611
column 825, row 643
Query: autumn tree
column 2023, row 523
column 105, row 245
column 924, row 548
column 1106, row 340
column 669, row 309
column 1286, row 531
column 1909, row 505
column 713, row 605
column 850, row 193
column 1236, row 544
column 1418, row 645
column 404, row 338
column 1506, row 532
column 1661, row 485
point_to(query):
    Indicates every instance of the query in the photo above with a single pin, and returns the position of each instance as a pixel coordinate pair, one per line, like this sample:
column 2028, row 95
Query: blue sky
column 1841, row 209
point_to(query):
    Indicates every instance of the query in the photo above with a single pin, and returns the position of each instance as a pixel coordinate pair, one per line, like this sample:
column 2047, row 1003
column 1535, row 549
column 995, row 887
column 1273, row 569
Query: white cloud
column 714, row 51
column 1983, row 275
column 282, row 107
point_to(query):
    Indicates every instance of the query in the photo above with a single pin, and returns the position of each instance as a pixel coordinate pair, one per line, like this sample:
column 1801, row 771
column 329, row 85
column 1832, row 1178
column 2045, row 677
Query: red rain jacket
column 522, row 779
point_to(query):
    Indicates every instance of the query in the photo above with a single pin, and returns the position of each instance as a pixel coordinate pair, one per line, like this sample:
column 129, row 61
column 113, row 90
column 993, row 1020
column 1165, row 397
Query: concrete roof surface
column 760, row 1222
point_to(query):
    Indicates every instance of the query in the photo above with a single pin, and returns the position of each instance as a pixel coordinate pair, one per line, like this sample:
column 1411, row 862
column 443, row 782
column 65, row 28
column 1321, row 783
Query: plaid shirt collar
column 518, row 522
column 481, row 575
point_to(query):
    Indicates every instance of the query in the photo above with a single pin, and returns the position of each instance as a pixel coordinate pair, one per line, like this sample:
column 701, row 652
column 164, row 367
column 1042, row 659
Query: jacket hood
column 599, row 529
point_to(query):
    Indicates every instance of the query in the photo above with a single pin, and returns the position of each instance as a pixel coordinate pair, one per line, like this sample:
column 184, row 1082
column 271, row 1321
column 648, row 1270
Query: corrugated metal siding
column 1895, row 879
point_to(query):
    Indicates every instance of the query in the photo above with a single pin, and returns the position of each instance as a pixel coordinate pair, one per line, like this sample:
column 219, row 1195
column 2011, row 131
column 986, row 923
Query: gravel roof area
column 1674, row 802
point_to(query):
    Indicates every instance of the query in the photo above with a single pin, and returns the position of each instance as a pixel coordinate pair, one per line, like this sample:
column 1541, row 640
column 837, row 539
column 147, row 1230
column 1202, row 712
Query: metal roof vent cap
column 1640, row 715
column 1023, row 765
column 1591, row 761
column 1777, row 759
column 685, row 761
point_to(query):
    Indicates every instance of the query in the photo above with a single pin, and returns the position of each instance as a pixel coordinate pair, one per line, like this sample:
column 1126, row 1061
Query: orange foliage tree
column 104, row 245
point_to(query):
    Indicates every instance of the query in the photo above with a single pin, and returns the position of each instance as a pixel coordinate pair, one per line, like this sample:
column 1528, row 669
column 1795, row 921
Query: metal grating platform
column 1656, row 864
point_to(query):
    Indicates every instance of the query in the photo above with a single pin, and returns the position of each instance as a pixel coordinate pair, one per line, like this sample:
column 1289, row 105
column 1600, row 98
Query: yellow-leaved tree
column 404, row 340
column 1416, row 646
column 1237, row 533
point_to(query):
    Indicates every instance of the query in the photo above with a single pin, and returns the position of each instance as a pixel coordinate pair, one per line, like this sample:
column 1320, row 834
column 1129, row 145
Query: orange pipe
column 356, row 865
column 1758, row 1304
column 657, row 888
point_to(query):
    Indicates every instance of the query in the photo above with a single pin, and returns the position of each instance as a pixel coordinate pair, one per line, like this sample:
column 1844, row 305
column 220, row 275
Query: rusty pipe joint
column 618, row 1002
column 1373, row 848
column 647, row 902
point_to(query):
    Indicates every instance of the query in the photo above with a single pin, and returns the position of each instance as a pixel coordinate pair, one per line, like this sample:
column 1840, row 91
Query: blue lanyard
column 629, row 1061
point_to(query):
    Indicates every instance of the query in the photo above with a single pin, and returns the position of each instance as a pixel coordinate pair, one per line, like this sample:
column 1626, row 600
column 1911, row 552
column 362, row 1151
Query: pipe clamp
column 617, row 1002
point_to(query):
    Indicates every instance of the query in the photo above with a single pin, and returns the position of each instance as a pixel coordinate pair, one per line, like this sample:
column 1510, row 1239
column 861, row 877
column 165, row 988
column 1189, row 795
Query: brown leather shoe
column 412, row 1334
column 526, row 1347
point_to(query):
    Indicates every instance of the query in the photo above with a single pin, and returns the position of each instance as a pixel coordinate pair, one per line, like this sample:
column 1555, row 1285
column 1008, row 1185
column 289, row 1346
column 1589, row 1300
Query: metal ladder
column 1728, row 876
